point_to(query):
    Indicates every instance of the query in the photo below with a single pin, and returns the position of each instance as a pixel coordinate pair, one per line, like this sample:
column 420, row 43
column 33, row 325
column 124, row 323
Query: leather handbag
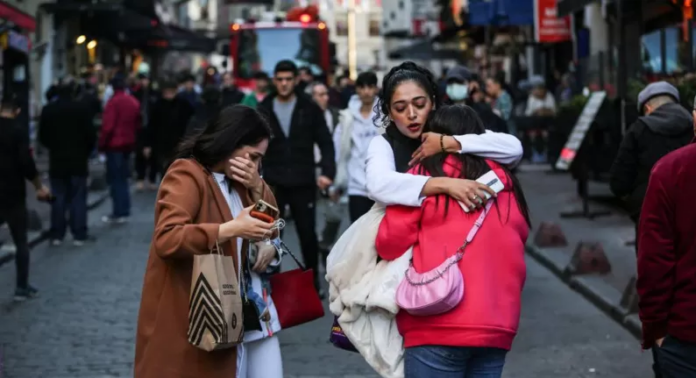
column 438, row 290
column 294, row 295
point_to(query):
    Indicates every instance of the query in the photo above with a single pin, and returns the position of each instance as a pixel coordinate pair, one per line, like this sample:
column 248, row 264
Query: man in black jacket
column 664, row 127
column 298, row 124
column 16, row 166
column 231, row 95
column 67, row 131
column 169, row 117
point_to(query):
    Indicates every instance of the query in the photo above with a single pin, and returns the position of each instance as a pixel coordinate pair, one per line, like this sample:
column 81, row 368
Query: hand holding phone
column 491, row 180
column 265, row 212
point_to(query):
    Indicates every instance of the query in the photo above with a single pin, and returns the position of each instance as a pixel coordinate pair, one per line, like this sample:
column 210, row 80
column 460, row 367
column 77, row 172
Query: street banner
column 548, row 27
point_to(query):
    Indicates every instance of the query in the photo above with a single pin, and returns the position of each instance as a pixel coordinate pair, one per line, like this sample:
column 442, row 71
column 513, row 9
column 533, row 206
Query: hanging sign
column 582, row 126
column 13, row 40
column 548, row 27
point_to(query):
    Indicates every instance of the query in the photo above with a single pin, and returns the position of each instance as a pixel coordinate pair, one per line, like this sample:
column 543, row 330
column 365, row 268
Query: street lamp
column 81, row 39
column 92, row 44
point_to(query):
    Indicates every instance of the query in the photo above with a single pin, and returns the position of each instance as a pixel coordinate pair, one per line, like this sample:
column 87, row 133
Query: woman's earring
column 386, row 122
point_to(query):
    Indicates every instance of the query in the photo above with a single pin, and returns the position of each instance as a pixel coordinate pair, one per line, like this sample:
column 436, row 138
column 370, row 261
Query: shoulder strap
column 475, row 228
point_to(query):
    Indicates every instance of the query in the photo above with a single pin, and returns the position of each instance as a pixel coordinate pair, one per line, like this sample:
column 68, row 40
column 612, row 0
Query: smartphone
column 265, row 211
column 491, row 180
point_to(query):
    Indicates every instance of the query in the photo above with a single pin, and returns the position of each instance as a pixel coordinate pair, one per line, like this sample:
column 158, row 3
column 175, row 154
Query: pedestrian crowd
column 427, row 279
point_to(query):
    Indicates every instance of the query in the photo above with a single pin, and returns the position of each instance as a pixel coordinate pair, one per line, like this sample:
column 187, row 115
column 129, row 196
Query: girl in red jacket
column 471, row 340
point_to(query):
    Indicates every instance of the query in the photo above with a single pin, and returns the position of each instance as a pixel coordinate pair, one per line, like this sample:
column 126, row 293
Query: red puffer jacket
column 121, row 123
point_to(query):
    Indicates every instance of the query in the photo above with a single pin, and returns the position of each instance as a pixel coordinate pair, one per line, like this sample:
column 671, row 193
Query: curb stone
column 36, row 238
column 592, row 288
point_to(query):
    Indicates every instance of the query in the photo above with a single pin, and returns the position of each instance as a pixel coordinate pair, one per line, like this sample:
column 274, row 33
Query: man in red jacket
column 667, row 263
column 121, row 123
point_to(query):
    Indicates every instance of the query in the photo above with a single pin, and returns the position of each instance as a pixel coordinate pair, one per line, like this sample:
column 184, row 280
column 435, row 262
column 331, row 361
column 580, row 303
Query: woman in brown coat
column 192, row 214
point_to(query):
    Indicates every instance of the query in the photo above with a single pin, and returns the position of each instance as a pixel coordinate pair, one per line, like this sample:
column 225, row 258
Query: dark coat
column 289, row 160
column 167, row 125
column 67, row 130
column 650, row 138
column 231, row 96
column 16, row 164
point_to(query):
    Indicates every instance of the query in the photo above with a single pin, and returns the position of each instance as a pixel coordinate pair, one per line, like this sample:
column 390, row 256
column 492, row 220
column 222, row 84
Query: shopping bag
column 294, row 295
column 339, row 339
column 215, row 303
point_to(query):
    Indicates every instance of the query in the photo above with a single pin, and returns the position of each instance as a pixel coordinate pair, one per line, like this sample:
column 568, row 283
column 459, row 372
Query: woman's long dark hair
column 233, row 127
column 462, row 120
column 407, row 71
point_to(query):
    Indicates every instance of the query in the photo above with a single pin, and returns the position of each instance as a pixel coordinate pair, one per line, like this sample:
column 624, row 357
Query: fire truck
column 256, row 46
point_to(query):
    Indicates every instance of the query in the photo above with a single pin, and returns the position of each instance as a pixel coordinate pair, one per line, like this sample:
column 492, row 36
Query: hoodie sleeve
column 624, row 170
column 500, row 147
column 397, row 231
column 384, row 183
column 656, row 256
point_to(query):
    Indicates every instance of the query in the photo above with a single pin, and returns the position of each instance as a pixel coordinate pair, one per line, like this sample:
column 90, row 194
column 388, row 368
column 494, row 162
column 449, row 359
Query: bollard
column 588, row 258
column 33, row 220
column 98, row 183
column 550, row 235
column 629, row 298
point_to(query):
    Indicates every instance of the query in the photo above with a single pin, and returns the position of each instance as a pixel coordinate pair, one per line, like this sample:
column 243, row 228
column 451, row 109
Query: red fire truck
column 258, row 45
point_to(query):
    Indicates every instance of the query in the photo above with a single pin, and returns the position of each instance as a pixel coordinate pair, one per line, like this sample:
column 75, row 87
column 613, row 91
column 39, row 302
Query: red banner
column 16, row 16
column 548, row 27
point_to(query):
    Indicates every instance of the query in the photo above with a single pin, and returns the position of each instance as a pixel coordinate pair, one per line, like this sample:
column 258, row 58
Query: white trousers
column 260, row 359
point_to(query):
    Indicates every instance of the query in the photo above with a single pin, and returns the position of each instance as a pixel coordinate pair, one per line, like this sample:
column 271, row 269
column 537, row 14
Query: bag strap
column 280, row 246
column 474, row 229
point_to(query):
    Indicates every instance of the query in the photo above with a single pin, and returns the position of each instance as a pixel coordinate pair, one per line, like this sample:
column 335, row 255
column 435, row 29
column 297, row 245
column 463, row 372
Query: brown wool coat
column 189, row 209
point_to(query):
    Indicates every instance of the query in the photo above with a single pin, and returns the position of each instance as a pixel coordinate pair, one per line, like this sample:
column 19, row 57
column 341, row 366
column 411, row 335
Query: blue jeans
column 71, row 194
column 433, row 361
column 117, row 174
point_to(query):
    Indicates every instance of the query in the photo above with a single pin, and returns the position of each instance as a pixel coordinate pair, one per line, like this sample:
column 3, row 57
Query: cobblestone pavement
column 83, row 325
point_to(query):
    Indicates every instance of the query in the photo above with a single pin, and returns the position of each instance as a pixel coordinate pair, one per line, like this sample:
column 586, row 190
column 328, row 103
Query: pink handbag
column 441, row 289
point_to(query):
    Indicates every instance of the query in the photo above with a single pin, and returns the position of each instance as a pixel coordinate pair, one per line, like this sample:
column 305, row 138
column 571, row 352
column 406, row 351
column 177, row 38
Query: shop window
column 651, row 52
column 672, row 60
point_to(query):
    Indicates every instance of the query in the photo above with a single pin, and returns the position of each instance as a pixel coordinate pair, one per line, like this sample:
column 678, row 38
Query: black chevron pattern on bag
column 205, row 314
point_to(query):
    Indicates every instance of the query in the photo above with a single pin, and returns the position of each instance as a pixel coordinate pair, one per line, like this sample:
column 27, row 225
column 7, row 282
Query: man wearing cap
column 663, row 127
column 462, row 88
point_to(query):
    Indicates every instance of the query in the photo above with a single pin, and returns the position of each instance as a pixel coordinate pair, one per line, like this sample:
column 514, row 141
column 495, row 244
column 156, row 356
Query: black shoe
column 25, row 293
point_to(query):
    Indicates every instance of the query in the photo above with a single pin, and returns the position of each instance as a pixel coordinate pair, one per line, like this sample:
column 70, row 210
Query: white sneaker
column 112, row 220
column 56, row 242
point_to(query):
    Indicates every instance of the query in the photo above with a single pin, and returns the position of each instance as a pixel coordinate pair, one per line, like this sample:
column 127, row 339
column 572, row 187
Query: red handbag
column 294, row 295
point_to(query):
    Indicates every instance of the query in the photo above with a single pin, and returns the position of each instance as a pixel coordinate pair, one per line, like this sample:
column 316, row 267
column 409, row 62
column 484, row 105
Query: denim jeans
column 117, row 174
column 676, row 358
column 71, row 194
column 433, row 361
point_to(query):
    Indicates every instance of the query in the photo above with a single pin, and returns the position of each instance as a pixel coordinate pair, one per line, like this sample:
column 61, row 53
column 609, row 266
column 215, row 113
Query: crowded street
column 347, row 189
column 83, row 326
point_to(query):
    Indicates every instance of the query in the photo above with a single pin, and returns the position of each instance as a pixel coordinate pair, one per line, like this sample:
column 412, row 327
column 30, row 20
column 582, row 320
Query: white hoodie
column 351, row 139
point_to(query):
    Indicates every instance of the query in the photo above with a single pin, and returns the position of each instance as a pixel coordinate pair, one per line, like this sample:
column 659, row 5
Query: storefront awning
column 134, row 30
column 17, row 17
column 501, row 12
